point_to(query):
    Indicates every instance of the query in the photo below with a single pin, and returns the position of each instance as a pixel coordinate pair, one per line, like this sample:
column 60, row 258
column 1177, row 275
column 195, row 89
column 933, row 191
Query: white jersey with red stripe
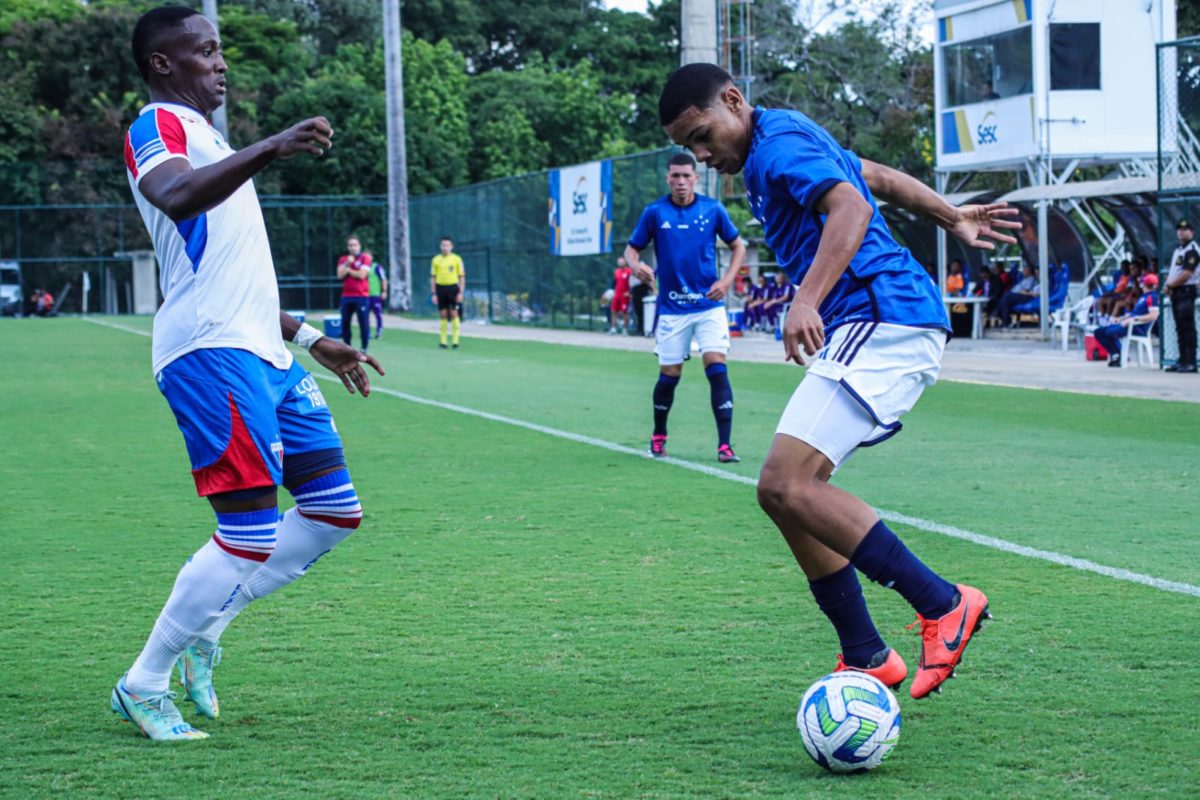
column 216, row 273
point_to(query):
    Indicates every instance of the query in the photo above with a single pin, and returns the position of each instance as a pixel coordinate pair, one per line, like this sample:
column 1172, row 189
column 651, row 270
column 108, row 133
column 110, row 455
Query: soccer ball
column 849, row 721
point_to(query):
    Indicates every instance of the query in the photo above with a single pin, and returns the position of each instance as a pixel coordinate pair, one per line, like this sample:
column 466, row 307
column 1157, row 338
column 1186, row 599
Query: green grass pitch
column 529, row 617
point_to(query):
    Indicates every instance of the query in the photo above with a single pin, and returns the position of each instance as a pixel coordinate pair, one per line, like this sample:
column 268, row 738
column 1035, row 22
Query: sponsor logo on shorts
column 307, row 387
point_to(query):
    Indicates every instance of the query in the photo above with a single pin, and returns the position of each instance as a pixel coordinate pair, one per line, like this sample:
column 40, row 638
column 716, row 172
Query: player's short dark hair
column 682, row 159
column 150, row 31
column 690, row 85
column 446, row 239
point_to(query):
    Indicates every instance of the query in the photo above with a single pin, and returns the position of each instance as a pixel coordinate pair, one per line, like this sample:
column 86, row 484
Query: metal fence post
column 487, row 257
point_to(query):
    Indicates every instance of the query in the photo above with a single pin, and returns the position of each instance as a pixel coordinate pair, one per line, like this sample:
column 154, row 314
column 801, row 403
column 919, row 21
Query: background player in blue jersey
column 874, row 322
column 683, row 226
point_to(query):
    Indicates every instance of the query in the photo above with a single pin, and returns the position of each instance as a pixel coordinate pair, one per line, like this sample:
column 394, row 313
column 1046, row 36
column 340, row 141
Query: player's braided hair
column 150, row 32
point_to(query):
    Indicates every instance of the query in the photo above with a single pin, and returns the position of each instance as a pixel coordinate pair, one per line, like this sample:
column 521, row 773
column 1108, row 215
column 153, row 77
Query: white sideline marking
column 928, row 526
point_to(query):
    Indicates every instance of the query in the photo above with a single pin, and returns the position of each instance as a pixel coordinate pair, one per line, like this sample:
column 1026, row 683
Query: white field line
column 928, row 526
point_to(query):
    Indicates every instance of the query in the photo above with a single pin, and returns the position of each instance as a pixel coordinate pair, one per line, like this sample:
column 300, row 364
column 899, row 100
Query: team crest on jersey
column 277, row 451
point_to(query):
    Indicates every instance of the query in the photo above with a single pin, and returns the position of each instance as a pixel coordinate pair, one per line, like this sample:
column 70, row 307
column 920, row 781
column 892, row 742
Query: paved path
column 1003, row 362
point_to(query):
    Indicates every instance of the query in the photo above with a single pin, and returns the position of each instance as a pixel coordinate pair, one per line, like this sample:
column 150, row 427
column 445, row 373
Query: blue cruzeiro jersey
column 685, row 249
column 792, row 163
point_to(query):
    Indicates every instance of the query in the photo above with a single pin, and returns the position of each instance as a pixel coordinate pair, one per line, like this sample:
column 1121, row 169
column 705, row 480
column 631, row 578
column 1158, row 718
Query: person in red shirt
column 352, row 270
column 620, row 301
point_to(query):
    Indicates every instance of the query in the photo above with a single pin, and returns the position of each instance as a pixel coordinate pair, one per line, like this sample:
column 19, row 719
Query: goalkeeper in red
column 873, row 327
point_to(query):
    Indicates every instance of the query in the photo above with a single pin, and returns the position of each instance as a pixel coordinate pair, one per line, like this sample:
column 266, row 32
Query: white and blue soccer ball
column 849, row 721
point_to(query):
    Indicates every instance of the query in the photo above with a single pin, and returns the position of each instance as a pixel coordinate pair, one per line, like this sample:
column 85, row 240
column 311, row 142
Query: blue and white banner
column 580, row 206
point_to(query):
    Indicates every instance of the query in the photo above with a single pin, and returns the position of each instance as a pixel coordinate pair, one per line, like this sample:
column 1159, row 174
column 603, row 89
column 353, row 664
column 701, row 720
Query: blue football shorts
column 239, row 415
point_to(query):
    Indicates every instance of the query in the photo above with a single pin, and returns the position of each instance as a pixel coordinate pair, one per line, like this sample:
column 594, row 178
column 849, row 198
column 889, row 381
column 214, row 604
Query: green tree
column 435, row 115
column 567, row 109
column 508, row 145
column 325, row 24
column 266, row 58
column 343, row 92
column 869, row 82
column 630, row 54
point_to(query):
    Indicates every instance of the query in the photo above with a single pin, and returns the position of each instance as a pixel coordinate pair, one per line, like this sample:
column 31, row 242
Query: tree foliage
column 868, row 81
column 492, row 87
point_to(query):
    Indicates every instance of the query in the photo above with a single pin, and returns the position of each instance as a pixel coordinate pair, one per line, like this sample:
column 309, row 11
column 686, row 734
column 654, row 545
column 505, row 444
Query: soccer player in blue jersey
column 873, row 326
column 683, row 226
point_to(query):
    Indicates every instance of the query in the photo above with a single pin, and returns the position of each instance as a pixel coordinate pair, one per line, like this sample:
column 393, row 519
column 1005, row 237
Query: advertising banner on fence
column 580, row 207
column 989, row 133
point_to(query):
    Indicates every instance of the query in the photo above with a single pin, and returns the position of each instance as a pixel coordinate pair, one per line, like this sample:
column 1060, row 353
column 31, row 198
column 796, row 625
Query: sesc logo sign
column 986, row 130
column 579, row 197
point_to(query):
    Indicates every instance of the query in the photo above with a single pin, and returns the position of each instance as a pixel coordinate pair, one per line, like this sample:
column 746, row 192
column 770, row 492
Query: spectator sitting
column 1125, row 300
column 989, row 286
column 1006, row 279
column 43, row 303
column 956, row 284
column 754, row 305
column 779, row 294
column 1144, row 315
column 1027, row 289
column 1105, row 302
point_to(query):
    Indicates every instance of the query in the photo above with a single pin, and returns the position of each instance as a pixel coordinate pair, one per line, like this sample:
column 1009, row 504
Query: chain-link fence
column 54, row 246
column 499, row 228
column 1178, row 163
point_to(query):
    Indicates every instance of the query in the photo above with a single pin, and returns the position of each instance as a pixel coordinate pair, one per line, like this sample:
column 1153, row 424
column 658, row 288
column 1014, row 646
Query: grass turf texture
column 522, row 616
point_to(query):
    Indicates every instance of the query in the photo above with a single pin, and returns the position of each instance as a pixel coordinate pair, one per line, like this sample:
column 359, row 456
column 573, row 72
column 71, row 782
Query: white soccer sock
column 207, row 582
column 300, row 541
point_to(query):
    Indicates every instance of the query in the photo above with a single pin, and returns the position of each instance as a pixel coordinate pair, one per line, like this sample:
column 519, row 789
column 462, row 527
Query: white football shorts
column 674, row 332
column 867, row 376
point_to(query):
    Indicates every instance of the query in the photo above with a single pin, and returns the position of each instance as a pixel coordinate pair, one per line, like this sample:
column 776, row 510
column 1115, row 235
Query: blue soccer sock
column 664, row 397
column 722, row 400
column 839, row 595
column 883, row 558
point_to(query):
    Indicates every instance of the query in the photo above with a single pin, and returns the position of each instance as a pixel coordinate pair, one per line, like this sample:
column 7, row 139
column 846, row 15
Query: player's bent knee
column 330, row 498
column 780, row 493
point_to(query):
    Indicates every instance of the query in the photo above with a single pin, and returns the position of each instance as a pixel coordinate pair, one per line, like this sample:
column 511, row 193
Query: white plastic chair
column 1144, row 345
column 1067, row 319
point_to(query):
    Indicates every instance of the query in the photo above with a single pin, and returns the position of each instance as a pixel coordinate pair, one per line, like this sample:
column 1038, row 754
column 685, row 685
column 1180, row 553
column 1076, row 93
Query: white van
column 10, row 289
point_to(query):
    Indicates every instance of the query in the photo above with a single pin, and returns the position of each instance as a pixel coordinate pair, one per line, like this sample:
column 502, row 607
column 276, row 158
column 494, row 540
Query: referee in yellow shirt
column 447, row 279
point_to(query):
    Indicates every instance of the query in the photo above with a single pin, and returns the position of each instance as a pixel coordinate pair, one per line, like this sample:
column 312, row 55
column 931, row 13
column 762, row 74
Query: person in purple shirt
column 754, row 303
column 780, row 293
column 873, row 327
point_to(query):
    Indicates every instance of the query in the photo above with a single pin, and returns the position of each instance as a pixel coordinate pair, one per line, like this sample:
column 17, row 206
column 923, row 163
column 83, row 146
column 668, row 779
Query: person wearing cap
column 1181, row 285
column 1144, row 315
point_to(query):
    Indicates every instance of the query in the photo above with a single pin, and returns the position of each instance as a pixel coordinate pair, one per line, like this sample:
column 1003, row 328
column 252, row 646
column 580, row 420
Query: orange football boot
column 944, row 639
column 886, row 665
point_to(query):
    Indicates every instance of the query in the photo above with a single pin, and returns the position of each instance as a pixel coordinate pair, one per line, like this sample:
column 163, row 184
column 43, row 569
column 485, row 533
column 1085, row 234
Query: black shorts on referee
column 447, row 297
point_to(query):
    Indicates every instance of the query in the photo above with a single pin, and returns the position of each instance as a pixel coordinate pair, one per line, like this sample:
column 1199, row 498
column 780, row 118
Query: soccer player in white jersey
column 873, row 326
column 252, row 418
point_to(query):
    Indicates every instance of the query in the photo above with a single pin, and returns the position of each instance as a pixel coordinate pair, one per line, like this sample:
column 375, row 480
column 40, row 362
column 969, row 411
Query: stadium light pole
column 219, row 118
column 400, row 268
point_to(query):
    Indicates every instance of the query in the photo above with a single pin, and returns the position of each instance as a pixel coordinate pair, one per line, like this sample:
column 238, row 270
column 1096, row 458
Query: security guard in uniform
column 1182, row 281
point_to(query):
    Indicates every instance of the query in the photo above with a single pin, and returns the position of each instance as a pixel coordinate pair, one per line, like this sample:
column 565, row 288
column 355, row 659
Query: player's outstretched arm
column 338, row 357
column 975, row 225
column 181, row 192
